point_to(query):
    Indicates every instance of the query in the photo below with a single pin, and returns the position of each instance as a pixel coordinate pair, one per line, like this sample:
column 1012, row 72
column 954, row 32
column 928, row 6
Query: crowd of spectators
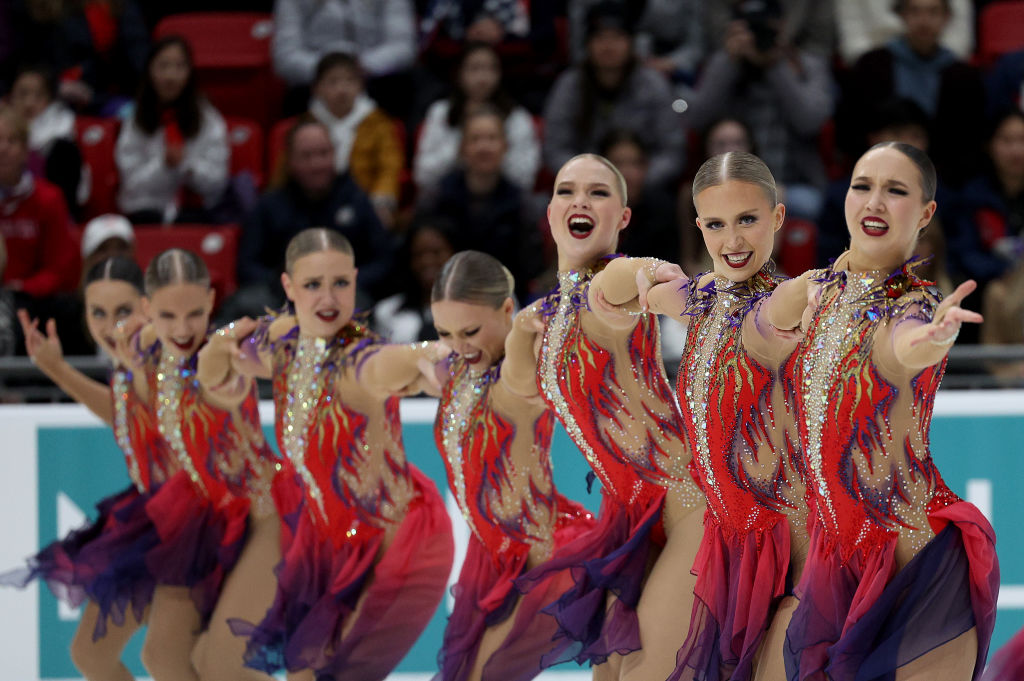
column 422, row 127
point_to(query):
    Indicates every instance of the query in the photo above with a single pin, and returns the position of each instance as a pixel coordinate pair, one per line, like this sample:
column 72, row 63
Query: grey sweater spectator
column 381, row 33
column 807, row 24
column 608, row 91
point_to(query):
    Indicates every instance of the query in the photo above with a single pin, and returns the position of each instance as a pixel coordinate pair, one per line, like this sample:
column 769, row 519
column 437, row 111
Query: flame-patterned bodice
column 222, row 451
column 864, row 428
column 498, row 461
column 350, row 460
column 149, row 460
column 617, row 406
column 741, row 423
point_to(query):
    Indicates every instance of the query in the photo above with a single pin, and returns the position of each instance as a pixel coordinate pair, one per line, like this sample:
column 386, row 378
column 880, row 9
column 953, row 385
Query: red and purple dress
column 104, row 561
column 629, row 444
column 1008, row 662
column 872, row 486
column 496, row 448
column 372, row 545
column 743, row 440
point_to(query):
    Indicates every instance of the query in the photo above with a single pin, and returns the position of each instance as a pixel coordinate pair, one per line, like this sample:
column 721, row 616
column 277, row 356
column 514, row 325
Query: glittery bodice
column 345, row 444
column 864, row 428
column 146, row 455
column 615, row 402
column 742, row 424
column 497, row 452
column 223, row 451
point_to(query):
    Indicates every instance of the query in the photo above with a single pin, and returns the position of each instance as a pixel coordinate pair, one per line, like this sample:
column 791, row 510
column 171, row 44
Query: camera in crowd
column 763, row 18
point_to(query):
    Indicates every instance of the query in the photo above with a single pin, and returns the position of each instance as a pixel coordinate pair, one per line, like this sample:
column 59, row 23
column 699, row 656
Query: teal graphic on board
column 78, row 466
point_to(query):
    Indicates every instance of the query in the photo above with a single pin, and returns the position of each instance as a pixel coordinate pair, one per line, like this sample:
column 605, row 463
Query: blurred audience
column 405, row 316
column 312, row 194
column 916, row 66
column 781, row 91
column 106, row 236
column 172, row 154
column 1004, row 84
column 484, row 207
column 868, row 24
column 477, row 83
column 1003, row 309
column 365, row 142
column 806, row 25
column 609, row 90
column 8, row 312
column 653, row 228
column 53, row 150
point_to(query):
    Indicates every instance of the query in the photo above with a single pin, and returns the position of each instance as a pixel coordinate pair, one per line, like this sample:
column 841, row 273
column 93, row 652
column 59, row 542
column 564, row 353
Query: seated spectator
column 808, row 26
column 611, row 90
column 868, row 24
column 653, row 228
column 484, row 207
column 917, row 67
column 53, row 152
column 104, row 237
column 987, row 221
column 1004, row 84
column 41, row 244
column 381, row 34
column 781, row 91
column 1003, row 309
column 477, row 83
column 312, row 194
column 669, row 34
column 405, row 316
column 172, row 154
column 365, row 143
column 100, row 53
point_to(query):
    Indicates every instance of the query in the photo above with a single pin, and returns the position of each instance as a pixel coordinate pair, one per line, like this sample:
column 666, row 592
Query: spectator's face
column 885, row 209
column 609, row 48
column 738, row 223
column 322, row 286
column 632, row 163
column 338, row 90
column 474, row 332
column 586, row 213
column 169, row 72
column 924, row 20
column 29, row 95
column 428, row 252
column 727, row 136
column 479, row 75
column 180, row 314
column 13, row 154
column 483, row 144
column 311, row 161
column 108, row 302
column 1007, row 148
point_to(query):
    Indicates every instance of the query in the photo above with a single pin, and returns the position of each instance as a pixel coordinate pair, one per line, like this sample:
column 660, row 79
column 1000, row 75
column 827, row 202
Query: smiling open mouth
column 328, row 315
column 738, row 260
column 473, row 358
column 874, row 226
column 580, row 226
column 183, row 344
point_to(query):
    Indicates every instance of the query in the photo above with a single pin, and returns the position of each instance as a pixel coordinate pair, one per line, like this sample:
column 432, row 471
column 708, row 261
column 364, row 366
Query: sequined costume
column 225, row 470
column 743, row 441
column 872, row 486
column 104, row 561
column 496, row 448
column 628, row 439
column 373, row 533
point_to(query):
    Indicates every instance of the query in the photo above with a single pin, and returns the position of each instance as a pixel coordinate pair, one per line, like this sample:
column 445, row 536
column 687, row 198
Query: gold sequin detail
column 120, row 385
column 306, row 386
column 172, row 374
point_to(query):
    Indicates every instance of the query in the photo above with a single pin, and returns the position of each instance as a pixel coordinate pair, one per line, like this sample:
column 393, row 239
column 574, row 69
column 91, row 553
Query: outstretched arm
column 783, row 310
column 627, row 286
column 920, row 345
column 519, row 372
column 225, row 370
column 47, row 354
column 398, row 369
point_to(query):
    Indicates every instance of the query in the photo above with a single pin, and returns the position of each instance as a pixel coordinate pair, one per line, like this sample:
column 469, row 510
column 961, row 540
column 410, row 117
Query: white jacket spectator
column 438, row 149
column 866, row 24
column 381, row 33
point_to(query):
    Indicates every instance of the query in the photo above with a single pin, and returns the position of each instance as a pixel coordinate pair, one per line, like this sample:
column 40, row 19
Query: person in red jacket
column 41, row 243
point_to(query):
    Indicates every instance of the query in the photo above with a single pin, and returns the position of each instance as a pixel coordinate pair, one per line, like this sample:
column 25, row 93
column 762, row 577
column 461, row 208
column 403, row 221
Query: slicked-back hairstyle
column 175, row 266
column 116, row 268
column 476, row 278
column 739, row 166
column 315, row 240
column 620, row 181
column 929, row 180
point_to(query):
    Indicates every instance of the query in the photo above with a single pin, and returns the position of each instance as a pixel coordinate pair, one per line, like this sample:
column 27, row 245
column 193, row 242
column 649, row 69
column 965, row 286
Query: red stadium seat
column 1000, row 30
column 232, row 60
column 246, row 139
column 276, row 144
column 96, row 140
column 216, row 244
column 797, row 247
